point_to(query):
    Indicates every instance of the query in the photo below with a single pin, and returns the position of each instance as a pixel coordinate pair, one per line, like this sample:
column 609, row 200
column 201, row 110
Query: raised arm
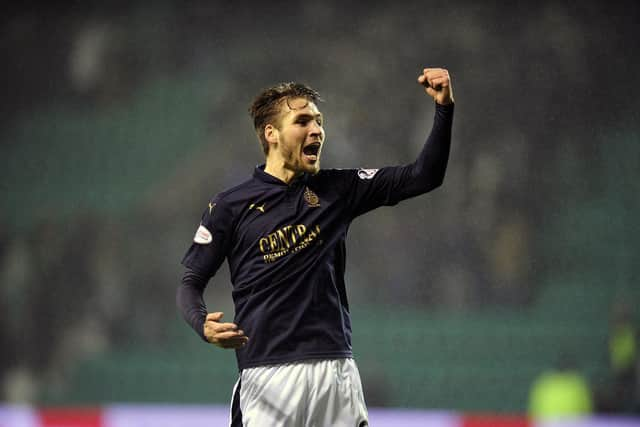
column 370, row 188
column 428, row 171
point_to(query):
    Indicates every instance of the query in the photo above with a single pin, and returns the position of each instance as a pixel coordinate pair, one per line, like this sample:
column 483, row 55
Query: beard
column 294, row 159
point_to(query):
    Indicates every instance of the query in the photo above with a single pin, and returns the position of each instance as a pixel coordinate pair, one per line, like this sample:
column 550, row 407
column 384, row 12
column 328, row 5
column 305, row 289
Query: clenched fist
column 437, row 83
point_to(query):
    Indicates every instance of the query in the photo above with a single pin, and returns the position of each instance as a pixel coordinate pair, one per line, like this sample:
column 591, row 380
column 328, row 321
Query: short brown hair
column 266, row 106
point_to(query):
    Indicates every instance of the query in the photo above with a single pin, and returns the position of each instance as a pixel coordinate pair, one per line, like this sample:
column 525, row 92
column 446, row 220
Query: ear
column 271, row 134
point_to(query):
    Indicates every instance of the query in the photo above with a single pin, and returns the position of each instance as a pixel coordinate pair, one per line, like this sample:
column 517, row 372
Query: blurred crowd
column 540, row 93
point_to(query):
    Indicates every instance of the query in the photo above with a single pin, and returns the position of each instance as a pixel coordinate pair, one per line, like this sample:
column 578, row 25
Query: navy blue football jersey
column 285, row 246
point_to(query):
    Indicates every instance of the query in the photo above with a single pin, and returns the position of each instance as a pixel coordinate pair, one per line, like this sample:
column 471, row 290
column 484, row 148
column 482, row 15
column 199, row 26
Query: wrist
column 447, row 106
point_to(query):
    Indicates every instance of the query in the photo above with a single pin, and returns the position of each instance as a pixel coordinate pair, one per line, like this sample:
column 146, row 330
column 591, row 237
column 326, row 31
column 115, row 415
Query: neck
column 280, row 171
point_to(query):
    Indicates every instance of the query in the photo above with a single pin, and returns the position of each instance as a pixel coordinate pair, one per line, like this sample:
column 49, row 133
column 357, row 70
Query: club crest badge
column 312, row 199
column 367, row 173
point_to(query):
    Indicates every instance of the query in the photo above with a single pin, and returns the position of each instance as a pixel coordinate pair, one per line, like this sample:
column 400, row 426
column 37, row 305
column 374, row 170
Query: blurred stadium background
column 121, row 119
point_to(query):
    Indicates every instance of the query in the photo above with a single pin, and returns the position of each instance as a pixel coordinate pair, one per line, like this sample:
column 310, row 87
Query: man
column 283, row 233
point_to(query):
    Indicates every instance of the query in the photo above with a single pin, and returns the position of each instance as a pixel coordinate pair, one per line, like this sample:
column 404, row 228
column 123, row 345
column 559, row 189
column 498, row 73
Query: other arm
column 191, row 304
column 202, row 261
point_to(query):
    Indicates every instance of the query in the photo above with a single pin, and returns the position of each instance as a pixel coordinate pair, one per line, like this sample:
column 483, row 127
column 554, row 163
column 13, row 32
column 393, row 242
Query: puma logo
column 258, row 208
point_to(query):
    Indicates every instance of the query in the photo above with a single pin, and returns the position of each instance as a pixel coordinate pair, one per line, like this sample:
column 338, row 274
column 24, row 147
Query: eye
column 305, row 120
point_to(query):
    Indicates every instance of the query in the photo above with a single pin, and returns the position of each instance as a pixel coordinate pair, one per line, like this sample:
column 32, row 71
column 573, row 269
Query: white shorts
column 312, row 393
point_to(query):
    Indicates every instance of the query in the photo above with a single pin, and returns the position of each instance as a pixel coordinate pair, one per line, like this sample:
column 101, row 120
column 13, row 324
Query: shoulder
column 336, row 174
column 234, row 195
column 227, row 203
column 346, row 175
column 331, row 179
column 341, row 181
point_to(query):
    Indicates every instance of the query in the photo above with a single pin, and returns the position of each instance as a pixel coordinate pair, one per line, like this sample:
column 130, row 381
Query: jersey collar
column 261, row 175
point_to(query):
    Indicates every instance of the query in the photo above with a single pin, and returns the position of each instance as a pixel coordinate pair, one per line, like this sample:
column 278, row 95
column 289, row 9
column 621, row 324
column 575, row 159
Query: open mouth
column 311, row 151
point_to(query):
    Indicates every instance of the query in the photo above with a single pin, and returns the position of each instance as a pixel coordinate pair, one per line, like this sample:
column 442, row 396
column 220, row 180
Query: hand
column 224, row 335
column 437, row 84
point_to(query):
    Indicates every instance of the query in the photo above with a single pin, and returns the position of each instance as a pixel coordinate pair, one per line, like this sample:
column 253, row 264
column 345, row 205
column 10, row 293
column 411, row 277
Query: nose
column 315, row 129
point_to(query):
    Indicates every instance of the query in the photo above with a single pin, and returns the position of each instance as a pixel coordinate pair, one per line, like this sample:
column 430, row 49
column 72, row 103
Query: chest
column 281, row 222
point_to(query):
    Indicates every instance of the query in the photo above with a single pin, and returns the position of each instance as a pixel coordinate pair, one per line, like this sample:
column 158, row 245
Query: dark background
column 119, row 121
